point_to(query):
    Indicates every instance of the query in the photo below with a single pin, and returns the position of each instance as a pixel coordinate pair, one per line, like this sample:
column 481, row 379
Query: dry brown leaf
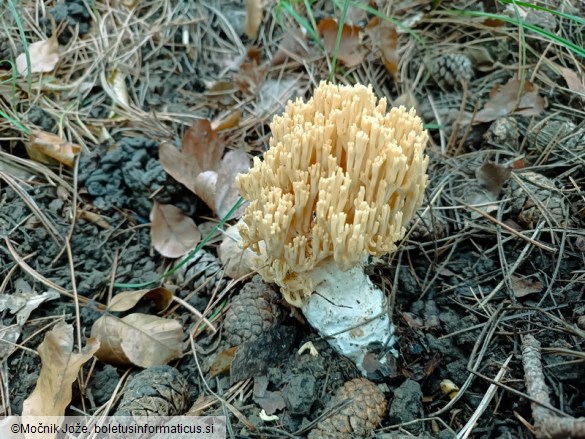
column 252, row 73
column 349, row 47
column 199, row 167
column 202, row 143
column 182, row 167
column 45, row 147
column 573, row 81
column 201, row 151
column 128, row 299
column 253, row 18
column 293, row 44
column 483, row 194
column 139, row 339
column 504, row 101
column 493, row 176
column 59, row 369
column 44, row 56
column 172, row 233
column 524, row 286
column 236, row 261
column 383, row 34
column 226, row 192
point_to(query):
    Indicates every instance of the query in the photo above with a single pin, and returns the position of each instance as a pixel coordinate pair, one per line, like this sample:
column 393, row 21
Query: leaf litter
column 200, row 168
column 516, row 97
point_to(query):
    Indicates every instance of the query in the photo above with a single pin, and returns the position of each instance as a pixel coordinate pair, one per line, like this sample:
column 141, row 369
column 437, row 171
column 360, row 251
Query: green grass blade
column 340, row 24
column 578, row 50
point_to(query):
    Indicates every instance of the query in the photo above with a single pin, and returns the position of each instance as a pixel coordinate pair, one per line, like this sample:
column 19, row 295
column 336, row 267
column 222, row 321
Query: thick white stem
column 349, row 310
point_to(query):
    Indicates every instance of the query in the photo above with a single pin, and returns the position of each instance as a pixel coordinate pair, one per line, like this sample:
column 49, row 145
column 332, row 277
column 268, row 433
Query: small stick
column 548, row 426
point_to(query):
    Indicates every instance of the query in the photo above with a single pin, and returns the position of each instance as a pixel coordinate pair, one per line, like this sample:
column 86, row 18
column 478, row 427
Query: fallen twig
column 548, row 426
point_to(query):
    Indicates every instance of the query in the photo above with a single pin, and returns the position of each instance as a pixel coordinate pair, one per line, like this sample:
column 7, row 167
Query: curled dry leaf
column 44, row 56
column 46, row 147
column 384, row 35
column 504, row 101
column 59, row 369
column 349, row 47
column 117, row 82
column 128, row 299
column 139, row 339
column 201, row 151
column 228, row 121
column 94, row 218
column 200, row 168
column 253, row 18
column 172, row 233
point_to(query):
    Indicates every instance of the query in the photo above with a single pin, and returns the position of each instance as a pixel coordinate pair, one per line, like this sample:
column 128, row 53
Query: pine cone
column 451, row 70
column 203, row 271
column 536, row 195
column 430, row 226
column 252, row 312
column 554, row 131
column 359, row 418
column 157, row 391
column 504, row 131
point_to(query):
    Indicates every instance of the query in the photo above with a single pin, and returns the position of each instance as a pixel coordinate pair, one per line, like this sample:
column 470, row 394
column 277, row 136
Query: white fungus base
column 349, row 310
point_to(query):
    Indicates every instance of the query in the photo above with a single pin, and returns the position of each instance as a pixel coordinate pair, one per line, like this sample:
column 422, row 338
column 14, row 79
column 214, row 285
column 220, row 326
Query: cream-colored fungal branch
column 340, row 181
